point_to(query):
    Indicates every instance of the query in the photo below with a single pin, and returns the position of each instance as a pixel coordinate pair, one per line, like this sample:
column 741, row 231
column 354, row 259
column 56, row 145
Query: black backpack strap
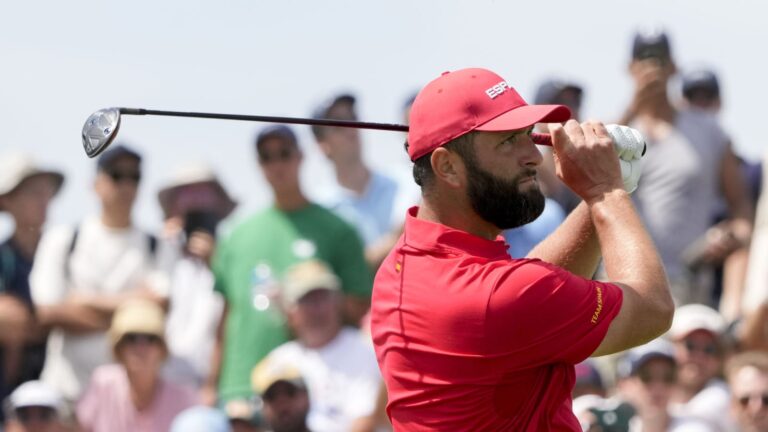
column 7, row 265
column 70, row 249
column 152, row 245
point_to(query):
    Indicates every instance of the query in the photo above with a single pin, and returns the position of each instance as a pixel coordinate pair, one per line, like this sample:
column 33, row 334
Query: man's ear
column 448, row 167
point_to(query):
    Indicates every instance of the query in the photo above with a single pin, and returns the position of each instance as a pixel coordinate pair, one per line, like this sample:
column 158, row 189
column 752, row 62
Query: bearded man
column 468, row 338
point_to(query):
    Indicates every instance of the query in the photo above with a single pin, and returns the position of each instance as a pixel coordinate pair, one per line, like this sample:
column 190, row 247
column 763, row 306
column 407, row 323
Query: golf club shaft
column 542, row 139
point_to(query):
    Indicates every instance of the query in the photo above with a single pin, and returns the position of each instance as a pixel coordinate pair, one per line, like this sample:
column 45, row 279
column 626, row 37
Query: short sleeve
column 48, row 279
column 546, row 314
column 349, row 264
column 219, row 268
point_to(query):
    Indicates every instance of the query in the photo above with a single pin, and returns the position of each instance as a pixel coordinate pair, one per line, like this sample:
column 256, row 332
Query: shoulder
column 328, row 218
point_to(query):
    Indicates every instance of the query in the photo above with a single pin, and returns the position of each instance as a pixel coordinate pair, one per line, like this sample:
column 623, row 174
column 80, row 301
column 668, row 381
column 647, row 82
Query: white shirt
column 104, row 261
column 712, row 404
column 194, row 314
column 342, row 379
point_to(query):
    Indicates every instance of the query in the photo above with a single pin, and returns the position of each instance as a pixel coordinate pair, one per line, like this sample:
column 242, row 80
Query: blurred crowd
column 107, row 327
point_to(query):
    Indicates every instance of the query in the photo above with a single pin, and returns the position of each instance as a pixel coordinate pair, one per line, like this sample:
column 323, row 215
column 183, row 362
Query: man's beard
column 500, row 201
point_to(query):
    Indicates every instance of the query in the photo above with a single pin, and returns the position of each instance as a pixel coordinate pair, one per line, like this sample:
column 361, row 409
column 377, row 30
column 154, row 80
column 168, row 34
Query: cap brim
column 526, row 116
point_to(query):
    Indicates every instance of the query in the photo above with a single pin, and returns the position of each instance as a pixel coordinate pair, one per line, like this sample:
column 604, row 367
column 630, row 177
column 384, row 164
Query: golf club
column 101, row 127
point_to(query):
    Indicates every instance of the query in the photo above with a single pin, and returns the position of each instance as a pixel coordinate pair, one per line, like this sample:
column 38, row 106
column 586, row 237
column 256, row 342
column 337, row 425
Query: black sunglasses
column 281, row 155
column 118, row 176
column 144, row 338
column 709, row 349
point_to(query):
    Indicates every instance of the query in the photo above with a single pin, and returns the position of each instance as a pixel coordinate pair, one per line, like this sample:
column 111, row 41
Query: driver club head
column 99, row 130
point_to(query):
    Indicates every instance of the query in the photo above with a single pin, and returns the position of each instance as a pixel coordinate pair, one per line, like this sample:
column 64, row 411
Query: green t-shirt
column 275, row 240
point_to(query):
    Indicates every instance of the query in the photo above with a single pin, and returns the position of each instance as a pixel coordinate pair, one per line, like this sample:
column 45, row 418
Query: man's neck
column 660, row 110
column 354, row 176
column 317, row 341
column 26, row 239
column 457, row 214
column 115, row 218
column 290, row 200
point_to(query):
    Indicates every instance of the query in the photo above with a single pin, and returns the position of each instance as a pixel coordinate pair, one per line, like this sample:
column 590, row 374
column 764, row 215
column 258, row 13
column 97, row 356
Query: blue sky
column 63, row 60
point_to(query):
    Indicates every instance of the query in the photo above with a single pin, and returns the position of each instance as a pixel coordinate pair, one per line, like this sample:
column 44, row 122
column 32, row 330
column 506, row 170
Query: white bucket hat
column 190, row 174
column 16, row 166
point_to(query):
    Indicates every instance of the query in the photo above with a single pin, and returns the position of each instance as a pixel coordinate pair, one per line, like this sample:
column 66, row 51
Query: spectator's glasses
column 140, row 338
column 709, row 349
column 119, row 177
column 746, row 399
column 667, row 377
column 35, row 413
column 281, row 155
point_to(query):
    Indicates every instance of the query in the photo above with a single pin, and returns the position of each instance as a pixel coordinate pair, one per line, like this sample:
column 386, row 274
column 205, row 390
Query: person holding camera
column 193, row 203
column 689, row 170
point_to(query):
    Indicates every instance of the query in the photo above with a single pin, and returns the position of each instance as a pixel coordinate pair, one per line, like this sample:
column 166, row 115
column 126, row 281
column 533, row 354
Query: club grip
column 541, row 139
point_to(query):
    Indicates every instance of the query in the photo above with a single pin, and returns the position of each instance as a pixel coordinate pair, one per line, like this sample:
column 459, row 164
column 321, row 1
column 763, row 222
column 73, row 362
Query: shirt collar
column 432, row 236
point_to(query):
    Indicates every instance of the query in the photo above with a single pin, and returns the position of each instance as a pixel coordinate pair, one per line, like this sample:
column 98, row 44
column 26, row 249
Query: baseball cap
column 34, row 394
column 307, row 276
column 17, row 166
column 652, row 43
column 137, row 316
column 278, row 131
column 271, row 371
column 700, row 80
column 323, row 111
column 108, row 158
column 467, row 100
column 588, row 375
column 694, row 317
column 549, row 91
column 638, row 356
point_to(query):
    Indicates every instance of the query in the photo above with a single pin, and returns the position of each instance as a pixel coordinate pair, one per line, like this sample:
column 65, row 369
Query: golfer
column 469, row 339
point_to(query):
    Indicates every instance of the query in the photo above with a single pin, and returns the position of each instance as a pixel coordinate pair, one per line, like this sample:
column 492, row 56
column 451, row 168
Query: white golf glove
column 630, row 146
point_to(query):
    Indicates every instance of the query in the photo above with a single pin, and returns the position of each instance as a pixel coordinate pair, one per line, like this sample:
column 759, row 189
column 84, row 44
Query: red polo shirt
column 469, row 339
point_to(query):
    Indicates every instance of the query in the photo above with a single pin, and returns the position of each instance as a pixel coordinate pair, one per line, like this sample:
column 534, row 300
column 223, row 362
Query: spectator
column 201, row 419
column 336, row 362
column 699, row 392
column 689, row 168
column 588, row 380
column 370, row 201
column 286, row 402
column 131, row 395
column 570, row 94
column 747, row 375
column 25, row 192
column 701, row 92
column 34, row 407
column 647, row 379
column 249, row 262
column 193, row 202
column 80, row 276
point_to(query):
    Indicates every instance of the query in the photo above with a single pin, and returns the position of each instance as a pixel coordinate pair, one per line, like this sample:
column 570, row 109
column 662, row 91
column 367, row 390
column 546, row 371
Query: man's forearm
column 573, row 245
column 73, row 317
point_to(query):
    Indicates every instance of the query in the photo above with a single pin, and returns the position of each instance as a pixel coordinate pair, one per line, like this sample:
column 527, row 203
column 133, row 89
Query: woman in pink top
column 131, row 396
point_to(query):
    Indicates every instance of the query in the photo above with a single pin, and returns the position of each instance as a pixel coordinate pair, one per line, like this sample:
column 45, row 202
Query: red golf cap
column 471, row 99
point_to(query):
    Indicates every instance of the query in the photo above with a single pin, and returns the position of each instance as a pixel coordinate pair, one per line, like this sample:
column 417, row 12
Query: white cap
column 34, row 393
column 305, row 277
column 693, row 317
